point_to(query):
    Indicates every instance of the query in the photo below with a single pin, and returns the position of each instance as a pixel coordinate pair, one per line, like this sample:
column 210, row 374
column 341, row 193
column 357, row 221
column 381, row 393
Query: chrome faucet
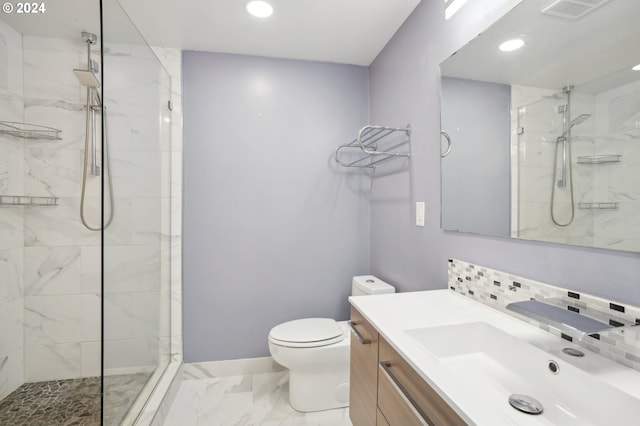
column 568, row 322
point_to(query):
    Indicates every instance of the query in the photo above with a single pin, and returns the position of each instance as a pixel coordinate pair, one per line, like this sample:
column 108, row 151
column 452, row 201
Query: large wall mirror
column 545, row 138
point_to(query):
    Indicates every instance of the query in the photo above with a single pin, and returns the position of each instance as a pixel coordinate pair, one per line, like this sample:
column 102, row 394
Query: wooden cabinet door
column 394, row 404
column 363, row 391
column 381, row 420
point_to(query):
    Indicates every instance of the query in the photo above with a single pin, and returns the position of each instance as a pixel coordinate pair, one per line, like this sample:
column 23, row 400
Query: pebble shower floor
column 74, row 402
column 58, row 402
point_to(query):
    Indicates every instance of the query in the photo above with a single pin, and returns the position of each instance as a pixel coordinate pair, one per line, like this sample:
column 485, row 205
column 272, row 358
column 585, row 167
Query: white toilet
column 316, row 352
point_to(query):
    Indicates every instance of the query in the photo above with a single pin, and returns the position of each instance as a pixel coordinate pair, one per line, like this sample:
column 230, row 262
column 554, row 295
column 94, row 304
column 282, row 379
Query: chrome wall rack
column 598, row 206
column 27, row 200
column 29, row 131
column 366, row 150
column 599, row 159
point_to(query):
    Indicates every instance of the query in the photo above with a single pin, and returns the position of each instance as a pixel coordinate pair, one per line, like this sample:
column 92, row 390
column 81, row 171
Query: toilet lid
column 308, row 332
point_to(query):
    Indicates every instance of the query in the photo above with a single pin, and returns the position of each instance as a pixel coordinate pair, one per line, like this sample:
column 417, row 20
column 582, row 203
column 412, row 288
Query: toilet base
column 318, row 392
column 319, row 375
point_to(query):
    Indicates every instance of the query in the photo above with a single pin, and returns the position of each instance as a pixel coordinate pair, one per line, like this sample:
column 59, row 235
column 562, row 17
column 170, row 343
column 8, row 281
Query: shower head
column 88, row 37
column 87, row 78
column 579, row 119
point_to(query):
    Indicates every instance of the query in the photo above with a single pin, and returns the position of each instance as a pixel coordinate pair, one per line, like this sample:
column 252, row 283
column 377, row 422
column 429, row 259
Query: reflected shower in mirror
column 546, row 138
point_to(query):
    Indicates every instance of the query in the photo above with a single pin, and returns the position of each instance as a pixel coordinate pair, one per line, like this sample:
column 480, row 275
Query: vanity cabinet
column 363, row 371
column 385, row 389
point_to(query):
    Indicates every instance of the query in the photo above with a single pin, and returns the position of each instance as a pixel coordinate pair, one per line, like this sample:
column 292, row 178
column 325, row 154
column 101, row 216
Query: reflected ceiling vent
column 572, row 9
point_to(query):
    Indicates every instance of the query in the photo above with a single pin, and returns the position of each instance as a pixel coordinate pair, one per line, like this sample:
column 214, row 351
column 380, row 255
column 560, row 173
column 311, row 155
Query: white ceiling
column 342, row 31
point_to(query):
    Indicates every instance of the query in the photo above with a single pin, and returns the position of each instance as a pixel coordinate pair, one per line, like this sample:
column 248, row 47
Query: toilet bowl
column 318, row 368
column 316, row 352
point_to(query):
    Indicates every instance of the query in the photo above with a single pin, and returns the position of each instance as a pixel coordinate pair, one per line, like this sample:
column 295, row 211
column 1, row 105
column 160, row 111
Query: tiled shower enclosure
column 78, row 304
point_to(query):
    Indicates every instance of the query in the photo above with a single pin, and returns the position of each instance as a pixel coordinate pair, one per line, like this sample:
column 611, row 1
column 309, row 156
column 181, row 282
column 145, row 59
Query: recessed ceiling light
column 511, row 45
column 260, row 9
column 636, row 68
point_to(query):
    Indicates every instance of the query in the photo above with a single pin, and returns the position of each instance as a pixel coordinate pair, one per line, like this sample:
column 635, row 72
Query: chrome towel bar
column 365, row 146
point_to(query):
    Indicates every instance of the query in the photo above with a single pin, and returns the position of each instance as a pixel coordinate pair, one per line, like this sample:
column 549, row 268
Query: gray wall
column 272, row 230
column 405, row 86
column 476, row 115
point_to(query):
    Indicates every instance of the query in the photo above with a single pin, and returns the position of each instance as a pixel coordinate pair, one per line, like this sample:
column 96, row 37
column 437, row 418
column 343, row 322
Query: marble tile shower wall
column 171, row 59
column 497, row 289
column 49, row 263
column 11, row 218
column 138, row 244
column 61, row 257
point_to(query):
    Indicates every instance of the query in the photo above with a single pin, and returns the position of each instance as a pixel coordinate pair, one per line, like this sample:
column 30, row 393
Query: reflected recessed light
column 511, row 45
column 636, row 68
column 259, row 8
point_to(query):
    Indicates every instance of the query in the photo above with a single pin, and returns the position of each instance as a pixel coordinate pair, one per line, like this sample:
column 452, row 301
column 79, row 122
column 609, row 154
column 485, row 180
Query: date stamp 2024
column 27, row 8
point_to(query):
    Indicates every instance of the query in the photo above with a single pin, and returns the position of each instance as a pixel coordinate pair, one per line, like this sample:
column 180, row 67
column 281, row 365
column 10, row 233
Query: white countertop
column 392, row 314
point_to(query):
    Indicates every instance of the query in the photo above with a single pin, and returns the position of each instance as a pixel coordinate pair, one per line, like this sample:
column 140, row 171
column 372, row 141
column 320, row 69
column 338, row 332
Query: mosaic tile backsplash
column 497, row 289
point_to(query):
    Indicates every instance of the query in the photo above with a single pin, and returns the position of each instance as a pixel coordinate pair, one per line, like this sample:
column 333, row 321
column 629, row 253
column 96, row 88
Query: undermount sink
column 498, row 365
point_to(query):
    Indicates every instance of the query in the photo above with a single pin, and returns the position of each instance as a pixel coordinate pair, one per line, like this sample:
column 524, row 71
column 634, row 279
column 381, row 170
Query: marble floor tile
column 258, row 399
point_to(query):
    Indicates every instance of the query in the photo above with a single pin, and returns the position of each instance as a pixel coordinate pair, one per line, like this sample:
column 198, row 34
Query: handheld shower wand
column 565, row 139
column 87, row 77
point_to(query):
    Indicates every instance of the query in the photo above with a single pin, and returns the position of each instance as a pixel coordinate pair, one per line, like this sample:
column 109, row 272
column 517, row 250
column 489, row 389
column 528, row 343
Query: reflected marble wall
column 613, row 131
column 618, row 133
column 535, row 112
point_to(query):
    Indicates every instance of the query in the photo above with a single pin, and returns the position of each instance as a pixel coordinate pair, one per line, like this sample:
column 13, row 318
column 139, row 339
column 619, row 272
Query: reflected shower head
column 579, row 119
column 87, row 78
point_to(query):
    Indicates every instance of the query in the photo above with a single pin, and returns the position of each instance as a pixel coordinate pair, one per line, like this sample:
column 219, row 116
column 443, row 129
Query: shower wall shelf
column 365, row 147
column 598, row 206
column 29, row 131
column 599, row 159
column 27, row 200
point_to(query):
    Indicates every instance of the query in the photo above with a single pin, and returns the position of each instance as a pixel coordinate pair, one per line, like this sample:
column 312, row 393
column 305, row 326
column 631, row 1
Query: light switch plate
column 420, row 213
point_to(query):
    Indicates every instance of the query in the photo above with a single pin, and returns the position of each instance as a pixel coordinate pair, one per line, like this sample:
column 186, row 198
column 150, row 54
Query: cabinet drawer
column 430, row 406
column 363, row 371
column 393, row 403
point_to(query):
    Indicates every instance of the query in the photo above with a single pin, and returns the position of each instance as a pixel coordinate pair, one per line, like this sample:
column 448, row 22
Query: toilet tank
column 368, row 284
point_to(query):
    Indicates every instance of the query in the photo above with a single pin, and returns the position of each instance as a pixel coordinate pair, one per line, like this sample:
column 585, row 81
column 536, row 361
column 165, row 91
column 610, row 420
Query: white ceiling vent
column 572, row 9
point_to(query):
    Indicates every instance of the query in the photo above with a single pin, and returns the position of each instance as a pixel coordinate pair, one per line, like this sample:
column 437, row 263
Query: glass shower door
column 538, row 124
column 136, row 276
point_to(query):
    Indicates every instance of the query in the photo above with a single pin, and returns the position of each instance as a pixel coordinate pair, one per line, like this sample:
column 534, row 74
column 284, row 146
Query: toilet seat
column 307, row 333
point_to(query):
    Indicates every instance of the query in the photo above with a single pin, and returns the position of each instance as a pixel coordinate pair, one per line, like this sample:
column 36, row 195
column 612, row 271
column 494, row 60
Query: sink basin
column 498, row 365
